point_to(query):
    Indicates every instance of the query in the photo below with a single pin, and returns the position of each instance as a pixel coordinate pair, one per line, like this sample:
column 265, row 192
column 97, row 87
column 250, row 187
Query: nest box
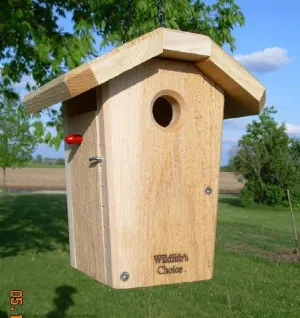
column 144, row 126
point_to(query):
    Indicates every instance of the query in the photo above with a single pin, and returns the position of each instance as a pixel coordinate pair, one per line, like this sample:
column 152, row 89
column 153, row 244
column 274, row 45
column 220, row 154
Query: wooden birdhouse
column 143, row 127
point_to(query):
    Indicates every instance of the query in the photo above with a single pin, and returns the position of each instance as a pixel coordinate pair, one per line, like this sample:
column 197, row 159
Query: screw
column 208, row 190
column 124, row 276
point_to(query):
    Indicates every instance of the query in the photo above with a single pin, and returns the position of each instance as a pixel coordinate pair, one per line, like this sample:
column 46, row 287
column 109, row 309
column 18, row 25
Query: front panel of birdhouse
column 146, row 215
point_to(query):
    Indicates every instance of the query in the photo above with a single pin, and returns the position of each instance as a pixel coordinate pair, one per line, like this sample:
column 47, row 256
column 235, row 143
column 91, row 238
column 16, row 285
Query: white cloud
column 293, row 130
column 270, row 59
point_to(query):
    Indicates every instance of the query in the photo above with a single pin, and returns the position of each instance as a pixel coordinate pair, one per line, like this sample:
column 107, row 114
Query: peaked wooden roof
column 244, row 94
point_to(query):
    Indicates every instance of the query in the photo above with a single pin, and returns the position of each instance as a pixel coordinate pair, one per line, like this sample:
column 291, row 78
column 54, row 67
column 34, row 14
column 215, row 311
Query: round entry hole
column 166, row 111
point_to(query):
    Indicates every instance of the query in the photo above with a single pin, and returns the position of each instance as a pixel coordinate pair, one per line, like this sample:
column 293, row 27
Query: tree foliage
column 120, row 21
column 268, row 159
column 34, row 43
column 39, row 159
column 60, row 162
column 17, row 141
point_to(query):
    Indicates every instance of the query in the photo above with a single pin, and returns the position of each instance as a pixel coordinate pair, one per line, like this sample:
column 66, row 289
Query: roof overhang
column 244, row 94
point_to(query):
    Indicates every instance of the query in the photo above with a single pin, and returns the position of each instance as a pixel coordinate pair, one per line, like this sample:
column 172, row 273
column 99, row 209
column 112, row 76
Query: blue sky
column 268, row 47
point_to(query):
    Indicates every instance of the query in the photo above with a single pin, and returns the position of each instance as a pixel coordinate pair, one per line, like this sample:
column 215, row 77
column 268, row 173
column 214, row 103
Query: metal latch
column 96, row 159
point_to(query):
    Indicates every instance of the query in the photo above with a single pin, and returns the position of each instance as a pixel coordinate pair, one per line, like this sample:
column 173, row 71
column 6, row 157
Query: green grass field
column 256, row 275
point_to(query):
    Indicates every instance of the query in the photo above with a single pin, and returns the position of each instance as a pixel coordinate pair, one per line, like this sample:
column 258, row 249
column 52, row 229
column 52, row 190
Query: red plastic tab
column 73, row 139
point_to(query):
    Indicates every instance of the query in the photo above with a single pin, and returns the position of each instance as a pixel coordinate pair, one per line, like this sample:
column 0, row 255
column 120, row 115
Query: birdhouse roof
column 244, row 94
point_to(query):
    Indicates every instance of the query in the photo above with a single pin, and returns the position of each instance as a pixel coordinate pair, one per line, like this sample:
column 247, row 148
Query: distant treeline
column 227, row 169
column 61, row 162
column 49, row 161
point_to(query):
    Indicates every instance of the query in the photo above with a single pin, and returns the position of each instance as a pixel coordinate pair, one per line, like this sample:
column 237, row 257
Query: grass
column 252, row 276
column 43, row 165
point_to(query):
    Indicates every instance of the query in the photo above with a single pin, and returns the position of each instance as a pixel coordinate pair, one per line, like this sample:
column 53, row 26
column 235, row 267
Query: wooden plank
column 156, row 177
column 51, row 93
column 80, row 80
column 102, row 95
column 246, row 94
column 85, row 207
column 127, row 56
column 69, row 191
column 185, row 46
column 96, row 72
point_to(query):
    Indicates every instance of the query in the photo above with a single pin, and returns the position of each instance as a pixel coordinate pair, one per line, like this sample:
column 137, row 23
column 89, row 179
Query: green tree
column 267, row 158
column 39, row 159
column 120, row 21
column 17, row 142
column 60, row 162
column 295, row 152
column 34, row 43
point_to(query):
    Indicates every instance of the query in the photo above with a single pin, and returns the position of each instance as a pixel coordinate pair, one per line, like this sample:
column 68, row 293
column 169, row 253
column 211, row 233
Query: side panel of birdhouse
column 84, row 186
column 162, row 173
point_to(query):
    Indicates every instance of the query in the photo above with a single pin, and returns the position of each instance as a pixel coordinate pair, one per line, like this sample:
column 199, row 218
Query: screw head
column 208, row 190
column 124, row 276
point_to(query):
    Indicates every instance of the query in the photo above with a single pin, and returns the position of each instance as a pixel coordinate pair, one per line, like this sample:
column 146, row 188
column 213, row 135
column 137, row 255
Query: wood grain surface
column 245, row 95
column 84, row 193
column 156, row 177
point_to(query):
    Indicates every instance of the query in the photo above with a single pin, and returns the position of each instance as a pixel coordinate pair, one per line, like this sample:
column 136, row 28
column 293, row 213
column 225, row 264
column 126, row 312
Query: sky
column 269, row 47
